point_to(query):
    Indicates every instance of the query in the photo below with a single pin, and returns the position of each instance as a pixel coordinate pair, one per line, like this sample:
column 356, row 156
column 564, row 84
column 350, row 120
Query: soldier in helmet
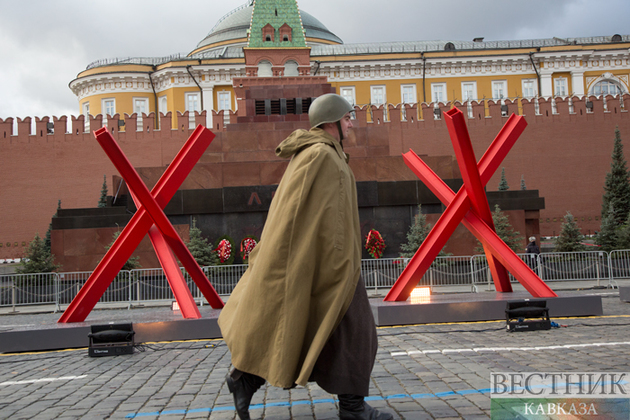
column 300, row 312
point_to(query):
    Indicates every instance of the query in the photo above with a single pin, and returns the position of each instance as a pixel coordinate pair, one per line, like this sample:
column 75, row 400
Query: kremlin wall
column 564, row 154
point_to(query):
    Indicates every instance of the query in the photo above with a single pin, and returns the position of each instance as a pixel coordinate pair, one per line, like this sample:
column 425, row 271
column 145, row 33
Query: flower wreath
column 247, row 246
column 374, row 244
column 224, row 250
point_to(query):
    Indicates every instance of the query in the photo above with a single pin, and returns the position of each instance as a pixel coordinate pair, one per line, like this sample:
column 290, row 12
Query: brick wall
column 565, row 156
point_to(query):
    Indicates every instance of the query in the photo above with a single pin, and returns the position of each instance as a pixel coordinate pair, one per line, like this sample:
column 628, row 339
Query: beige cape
column 304, row 271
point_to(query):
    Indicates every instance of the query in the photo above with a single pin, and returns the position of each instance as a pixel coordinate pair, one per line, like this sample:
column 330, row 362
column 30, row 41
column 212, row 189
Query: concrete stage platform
column 470, row 307
column 152, row 324
column 42, row 332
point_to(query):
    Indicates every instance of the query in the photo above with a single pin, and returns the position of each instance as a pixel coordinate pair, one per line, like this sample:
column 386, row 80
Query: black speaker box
column 111, row 340
column 527, row 315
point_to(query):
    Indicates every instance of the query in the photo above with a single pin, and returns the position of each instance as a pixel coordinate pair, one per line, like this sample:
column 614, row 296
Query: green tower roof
column 276, row 13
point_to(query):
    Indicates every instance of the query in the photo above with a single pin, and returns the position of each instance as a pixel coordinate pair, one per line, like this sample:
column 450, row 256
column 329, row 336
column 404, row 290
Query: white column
column 546, row 86
column 577, row 83
column 208, row 104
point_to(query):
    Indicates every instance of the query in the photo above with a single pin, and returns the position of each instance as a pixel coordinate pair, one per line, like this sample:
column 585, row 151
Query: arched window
column 264, row 69
column 605, row 87
column 291, row 68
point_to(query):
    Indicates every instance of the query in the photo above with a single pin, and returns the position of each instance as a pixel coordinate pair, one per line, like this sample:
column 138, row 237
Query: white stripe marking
column 496, row 349
column 18, row 325
column 33, row 381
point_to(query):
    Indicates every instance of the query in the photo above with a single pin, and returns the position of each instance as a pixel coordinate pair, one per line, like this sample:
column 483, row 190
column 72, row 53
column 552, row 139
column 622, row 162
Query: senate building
column 276, row 39
column 251, row 81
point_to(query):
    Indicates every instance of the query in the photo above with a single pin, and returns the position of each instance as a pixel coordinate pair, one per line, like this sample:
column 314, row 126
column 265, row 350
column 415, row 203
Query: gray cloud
column 45, row 44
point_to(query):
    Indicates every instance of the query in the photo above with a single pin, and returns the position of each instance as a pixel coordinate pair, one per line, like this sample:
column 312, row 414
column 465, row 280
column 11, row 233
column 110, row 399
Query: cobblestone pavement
column 421, row 372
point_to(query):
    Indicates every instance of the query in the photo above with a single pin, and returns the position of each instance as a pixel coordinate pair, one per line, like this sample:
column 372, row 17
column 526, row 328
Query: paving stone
column 186, row 380
column 418, row 415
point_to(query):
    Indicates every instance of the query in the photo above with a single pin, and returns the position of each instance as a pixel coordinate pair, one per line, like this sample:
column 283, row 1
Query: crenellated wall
column 563, row 154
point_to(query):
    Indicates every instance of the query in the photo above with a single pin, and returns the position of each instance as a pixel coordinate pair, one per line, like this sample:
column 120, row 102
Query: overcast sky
column 44, row 44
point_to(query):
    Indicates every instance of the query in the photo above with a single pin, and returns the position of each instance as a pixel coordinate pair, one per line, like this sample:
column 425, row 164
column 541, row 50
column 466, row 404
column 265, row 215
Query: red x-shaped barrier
column 149, row 218
column 469, row 206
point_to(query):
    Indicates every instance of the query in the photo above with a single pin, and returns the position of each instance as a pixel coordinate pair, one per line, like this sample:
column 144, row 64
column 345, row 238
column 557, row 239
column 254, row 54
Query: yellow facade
column 123, row 102
column 362, row 85
column 453, row 88
column 497, row 70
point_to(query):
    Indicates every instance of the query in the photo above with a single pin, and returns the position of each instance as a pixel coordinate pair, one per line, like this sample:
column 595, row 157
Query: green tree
column 503, row 185
column 47, row 238
column 523, row 186
column 102, row 202
column 617, row 186
column 37, row 258
column 505, row 231
column 199, row 247
column 607, row 238
column 132, row 263
column 417, row 233
column 623, row 235
column 570, row 238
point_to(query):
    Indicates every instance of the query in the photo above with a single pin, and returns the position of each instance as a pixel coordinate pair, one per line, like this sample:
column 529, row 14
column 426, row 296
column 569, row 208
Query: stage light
column 420, row 295
column 111, row 340
column 527, row 315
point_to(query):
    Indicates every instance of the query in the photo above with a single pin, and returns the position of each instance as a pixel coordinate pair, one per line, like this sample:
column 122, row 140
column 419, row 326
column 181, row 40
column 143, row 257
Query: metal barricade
column 449, row 271
column 28, row 289
column 572, row 266
column 533, row 262
column 149, row 285
column 69, row 285
column 554, row 266
column 382, row 272
column 119, row 290
column 483, row 276
column 444, row 271
column 480, row 272
column 619, row 266
column 224, row 277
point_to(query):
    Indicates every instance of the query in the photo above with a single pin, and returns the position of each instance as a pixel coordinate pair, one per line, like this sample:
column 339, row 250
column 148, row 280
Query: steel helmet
column 328, row 108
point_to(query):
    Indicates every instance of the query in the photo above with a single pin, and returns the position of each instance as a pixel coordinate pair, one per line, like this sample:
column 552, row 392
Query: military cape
column 303, row 273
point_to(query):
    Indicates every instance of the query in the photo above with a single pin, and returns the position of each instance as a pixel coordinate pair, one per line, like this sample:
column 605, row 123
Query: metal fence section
column 28, row 289
column 151, row 285
column 481, row 270
column 224, row 277
column 68, row 286
column 449, row 271
column 148, row 285
column 445, row 271
column 564, row 266
column 618, row 266
column 382, row 272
